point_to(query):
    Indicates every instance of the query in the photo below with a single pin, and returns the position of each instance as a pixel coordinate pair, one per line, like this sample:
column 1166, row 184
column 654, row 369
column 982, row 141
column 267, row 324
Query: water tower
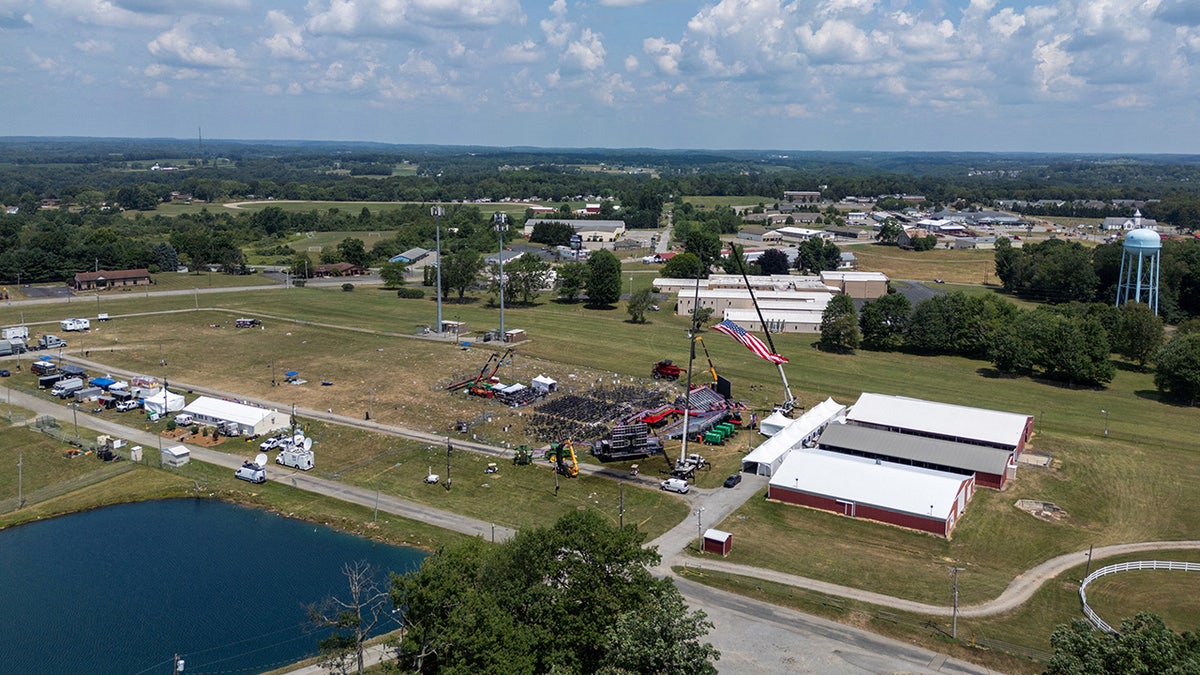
column 1139, row 268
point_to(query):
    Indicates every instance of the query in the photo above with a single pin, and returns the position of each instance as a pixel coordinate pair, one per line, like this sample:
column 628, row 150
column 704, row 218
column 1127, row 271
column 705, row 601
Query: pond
column 124, row 588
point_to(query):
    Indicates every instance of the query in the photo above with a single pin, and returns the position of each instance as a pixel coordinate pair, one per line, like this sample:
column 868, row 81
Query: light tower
column 1139, row 268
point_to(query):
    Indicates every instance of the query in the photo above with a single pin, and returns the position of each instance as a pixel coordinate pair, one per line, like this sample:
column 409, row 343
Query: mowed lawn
column 962, row 267
column 1136, row 484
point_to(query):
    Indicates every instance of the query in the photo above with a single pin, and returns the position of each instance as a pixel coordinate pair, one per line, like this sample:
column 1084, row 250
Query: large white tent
column 163, row 402
column 248, row 418
column 766, row 458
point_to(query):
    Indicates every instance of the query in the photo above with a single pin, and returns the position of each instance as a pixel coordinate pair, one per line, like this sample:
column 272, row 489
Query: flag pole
column 789, row 401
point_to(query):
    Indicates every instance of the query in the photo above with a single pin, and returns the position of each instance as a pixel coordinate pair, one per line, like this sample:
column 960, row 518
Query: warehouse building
column 857, row 487
column 235, row 418
column 991, row 467
column 961, row 424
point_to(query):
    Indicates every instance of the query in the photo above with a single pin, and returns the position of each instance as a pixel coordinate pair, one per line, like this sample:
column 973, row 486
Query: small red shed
column 716, row 541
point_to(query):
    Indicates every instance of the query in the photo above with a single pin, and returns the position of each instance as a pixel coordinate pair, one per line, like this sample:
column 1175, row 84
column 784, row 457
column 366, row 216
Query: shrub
column 347, row 287
column 171, row 425
column 410, row 293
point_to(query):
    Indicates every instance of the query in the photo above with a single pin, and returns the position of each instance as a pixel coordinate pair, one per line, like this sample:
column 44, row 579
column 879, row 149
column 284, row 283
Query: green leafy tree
column 551, row 233
column 1177, row 372
column 703, row 244
column 1139, row 333
column 476, row 608
column 735, row 261
column 604, row 278
column 682, row 266
column 302, row 266
column 925, row 243
column 572, row 279
column 353, row 251
column 883, row 321
column 639, row 302
column 889, row 231
column 839, row 325
column 1006, row 263
column 461, row 270
column 1142, row 645
column 393, row 273
column 773, row 261
column 701, row 318
column 814, row 255
column 524, row 277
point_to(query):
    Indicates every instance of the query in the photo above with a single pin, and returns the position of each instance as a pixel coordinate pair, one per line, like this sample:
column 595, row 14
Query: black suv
column 733, row 480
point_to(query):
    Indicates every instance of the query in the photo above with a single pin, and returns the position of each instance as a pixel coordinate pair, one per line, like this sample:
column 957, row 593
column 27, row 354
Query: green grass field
column 1136, row 484
column 735, row 200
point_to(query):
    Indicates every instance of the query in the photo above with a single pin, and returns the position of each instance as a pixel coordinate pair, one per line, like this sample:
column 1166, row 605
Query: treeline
column 1058, row 271
column 1071, row 343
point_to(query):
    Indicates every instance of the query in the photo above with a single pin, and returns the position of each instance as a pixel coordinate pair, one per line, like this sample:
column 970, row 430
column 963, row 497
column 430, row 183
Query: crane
column 711, row 368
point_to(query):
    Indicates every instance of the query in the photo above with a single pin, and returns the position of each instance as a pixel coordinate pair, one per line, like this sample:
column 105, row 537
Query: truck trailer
column 64, row 388
column 75, row 324
column 15, row 333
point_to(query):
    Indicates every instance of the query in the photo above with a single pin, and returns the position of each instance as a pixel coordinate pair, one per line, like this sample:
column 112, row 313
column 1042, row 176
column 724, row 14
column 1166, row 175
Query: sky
column 1109, row 76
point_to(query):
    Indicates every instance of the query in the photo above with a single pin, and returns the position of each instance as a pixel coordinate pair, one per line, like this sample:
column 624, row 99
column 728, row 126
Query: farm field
column 735, row 200
column 962, row 267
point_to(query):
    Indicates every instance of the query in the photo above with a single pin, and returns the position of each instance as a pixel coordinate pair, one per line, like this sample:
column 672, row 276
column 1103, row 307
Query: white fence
column 1126, row 567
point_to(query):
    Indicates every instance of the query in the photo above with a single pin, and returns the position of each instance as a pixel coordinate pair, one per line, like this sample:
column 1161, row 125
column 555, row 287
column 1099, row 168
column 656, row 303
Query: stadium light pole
column 500, row 221
column 437, row 212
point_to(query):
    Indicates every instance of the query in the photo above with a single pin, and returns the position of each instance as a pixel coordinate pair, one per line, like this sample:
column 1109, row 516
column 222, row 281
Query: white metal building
column 994, row 428
column 249, row 419
column 907, row 496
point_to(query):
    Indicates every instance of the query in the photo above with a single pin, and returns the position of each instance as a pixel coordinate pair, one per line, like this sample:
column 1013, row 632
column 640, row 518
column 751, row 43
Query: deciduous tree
column 839, row 325
column 1177, row 371
column 572, row 279
column 604, row 279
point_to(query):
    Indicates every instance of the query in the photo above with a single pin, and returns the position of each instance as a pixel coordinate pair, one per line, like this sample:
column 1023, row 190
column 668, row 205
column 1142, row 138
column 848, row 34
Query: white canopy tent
column 767, row 457
column 163, row 402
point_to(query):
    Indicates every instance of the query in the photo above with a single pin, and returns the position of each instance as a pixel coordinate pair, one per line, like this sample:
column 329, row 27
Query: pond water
column 124, row 588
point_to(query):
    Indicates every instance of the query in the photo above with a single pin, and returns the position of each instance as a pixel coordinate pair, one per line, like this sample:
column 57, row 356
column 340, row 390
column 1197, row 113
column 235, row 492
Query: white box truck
column 15, row 333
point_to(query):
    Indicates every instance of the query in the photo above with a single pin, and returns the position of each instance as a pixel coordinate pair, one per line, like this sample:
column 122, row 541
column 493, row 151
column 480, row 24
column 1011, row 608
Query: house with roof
column 1136, row 222
column 101, row 279
column 590, row 230
column 341, row 269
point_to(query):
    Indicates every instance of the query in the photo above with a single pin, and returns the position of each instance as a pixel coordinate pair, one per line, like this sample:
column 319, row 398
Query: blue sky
column 1060, row 75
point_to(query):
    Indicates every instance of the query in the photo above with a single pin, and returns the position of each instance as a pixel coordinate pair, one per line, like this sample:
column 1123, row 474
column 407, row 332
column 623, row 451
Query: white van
column 183, row 419
column 251, row 472
column 675, row 485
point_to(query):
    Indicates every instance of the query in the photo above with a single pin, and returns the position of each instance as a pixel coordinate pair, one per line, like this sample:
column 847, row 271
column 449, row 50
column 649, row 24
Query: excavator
column 561, row 454
column 478, row 384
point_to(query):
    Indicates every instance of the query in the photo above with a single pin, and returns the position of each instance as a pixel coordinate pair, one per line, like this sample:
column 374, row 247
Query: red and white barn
column 961, row 424
column 906, row 496
column 992, row 467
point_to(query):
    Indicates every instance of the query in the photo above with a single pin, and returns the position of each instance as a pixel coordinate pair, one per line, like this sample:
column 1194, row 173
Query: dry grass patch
column 963, row 267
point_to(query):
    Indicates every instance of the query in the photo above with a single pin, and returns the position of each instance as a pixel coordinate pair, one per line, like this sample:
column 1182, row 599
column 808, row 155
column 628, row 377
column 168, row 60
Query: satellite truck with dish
column 253, row 472
column 297, row 455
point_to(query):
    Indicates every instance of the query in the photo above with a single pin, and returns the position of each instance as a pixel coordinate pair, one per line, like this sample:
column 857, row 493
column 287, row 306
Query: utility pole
column 954, row 624
column 20, row 477
column 448, row 448
column 437, row 212
column 700, row 525
column 621, row 506
column 1089, row 565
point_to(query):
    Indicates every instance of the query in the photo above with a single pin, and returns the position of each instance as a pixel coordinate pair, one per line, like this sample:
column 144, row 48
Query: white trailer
column 14, row 333
column 75, row 324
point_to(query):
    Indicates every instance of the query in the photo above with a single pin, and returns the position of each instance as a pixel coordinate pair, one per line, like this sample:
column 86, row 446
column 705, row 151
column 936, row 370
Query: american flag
column 752, row 343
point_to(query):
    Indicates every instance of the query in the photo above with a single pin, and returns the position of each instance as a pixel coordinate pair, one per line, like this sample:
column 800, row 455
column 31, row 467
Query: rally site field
column 1136, row 484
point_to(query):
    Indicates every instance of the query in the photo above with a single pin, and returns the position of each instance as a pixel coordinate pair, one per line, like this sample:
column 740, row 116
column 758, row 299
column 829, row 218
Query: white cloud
column 104, row 13
column 557, row 28
column 177, row 46
column 835, row 40
column 523, row 52
column 1054, row 67
column 631, row 63
column 405, row 18
column 586, row 53
column 286, row 40
column 159, row 90
column 15, row 14
column 1007, row 22
column 94, row 47
column 664, row 54
column 176, row 7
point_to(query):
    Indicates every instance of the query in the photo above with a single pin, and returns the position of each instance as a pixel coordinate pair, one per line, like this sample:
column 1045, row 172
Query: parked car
column 733, row 480
column 270, row 443
column 4, row 373
column 126, row 406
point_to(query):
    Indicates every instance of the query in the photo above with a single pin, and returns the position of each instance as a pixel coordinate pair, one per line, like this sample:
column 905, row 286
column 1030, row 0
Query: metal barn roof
column 943, row 419
column 853, row 438
column 230, row 411
column 890, row 486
